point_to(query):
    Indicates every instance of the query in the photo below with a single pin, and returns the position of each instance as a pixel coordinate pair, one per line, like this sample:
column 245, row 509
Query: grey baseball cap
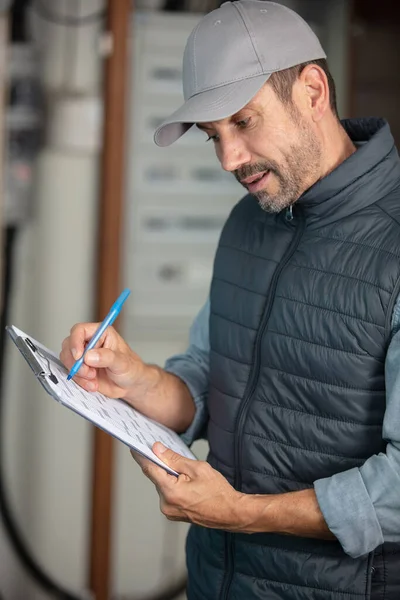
column 229, row 56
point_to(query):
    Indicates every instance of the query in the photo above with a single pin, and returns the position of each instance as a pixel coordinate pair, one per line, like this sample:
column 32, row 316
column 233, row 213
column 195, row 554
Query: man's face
column 272, row 149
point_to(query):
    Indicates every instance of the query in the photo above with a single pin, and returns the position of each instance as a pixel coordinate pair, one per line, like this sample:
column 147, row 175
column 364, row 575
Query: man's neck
column 338, row 146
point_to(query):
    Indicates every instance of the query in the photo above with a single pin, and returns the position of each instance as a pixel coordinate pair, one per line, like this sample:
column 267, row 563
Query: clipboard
column 112, row 415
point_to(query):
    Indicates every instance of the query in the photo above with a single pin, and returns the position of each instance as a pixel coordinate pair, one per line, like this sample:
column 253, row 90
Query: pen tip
column 69, row 377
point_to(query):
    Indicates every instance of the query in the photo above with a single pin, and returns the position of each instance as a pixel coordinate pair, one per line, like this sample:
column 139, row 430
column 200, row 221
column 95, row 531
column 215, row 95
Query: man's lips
column 252, row 178
column 255, row 183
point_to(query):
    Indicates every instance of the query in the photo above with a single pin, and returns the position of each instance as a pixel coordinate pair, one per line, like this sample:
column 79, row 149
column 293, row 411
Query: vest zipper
column 251, row 386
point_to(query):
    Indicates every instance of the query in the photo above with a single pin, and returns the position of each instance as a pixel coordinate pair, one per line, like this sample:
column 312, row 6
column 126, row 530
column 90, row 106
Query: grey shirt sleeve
column 193, row 367
column 362, row 505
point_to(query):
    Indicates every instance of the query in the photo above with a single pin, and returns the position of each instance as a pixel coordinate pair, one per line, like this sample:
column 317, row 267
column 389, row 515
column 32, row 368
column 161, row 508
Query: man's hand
column 199, row 495
column 203, row 496
column 115, row 370
column 112, row 368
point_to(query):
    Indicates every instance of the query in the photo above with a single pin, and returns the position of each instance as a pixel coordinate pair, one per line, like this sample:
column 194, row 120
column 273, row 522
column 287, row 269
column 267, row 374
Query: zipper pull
column 289, row 213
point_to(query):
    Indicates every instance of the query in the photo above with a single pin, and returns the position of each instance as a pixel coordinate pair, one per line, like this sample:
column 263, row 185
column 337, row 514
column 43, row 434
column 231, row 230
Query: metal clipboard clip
column 28, row 349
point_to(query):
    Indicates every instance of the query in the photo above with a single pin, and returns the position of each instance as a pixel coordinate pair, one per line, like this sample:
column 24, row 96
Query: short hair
column 282, row 82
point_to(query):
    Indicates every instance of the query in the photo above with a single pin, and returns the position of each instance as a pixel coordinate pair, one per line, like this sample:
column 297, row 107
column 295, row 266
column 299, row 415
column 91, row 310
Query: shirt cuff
column 349, row 512
column 198, row 427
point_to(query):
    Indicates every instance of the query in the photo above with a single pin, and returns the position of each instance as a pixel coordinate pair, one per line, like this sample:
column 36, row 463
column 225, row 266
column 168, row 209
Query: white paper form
column 112, row 415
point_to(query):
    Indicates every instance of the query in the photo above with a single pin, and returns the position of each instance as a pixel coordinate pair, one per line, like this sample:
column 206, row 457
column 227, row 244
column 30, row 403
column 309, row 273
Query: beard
column 300, row 170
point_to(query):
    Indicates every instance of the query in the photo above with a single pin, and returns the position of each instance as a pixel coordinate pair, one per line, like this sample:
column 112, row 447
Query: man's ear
column 315, row 88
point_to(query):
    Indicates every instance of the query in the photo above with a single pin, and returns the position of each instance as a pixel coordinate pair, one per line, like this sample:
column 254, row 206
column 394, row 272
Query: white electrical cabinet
column 178, row 197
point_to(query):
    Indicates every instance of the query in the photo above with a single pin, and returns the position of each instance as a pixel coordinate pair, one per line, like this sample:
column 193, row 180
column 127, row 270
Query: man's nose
column 233, row 155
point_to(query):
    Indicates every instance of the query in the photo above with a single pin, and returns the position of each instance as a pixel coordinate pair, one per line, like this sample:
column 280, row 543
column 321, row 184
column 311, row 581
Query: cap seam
column 238, row 9
column 194, row 56
column 215, row 87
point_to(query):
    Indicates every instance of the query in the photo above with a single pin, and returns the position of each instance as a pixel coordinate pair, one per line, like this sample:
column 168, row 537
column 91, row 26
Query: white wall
column 48, row 449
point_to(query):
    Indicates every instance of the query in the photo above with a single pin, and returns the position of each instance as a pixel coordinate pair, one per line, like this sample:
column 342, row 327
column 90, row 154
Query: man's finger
column 176, row 461
column 116, row 362
column 80, row 334
column 156, row 474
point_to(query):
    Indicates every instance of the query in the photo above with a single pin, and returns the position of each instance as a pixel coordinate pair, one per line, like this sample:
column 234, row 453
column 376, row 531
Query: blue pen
column 109, row 320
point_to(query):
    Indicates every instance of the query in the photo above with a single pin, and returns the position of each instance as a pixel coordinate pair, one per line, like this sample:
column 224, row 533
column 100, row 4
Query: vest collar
column 361, row 180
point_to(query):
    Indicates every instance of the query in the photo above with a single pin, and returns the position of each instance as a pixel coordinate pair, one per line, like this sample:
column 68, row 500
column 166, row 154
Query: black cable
column 174, row 5
column 10, row 525
column 18, row 20
column 43, row 12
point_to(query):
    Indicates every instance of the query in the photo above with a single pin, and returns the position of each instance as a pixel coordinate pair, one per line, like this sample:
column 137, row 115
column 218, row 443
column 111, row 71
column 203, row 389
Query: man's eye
column 212, row 138
column 243, row 123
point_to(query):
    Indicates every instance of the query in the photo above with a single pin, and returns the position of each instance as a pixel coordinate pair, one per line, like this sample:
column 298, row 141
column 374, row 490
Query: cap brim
column 211, row 105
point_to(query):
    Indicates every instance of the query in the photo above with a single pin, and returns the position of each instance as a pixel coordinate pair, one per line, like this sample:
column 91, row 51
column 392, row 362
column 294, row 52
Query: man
column 288, row 359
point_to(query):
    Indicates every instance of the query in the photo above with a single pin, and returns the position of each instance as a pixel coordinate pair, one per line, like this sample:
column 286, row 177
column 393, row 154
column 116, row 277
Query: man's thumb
column 167, row 455
column 176, row 461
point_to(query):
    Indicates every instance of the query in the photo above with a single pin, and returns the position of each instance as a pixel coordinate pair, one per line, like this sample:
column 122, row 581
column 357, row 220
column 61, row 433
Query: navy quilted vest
column 301, row 307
